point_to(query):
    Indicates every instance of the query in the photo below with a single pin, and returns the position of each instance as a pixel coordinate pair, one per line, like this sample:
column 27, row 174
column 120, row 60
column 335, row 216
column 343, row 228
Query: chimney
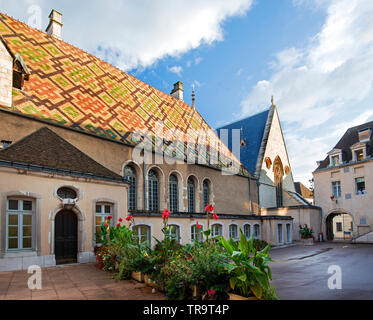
column 178, row 91
column 55, row 24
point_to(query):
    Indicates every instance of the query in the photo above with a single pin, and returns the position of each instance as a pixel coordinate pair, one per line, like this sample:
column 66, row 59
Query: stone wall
column 6, row 76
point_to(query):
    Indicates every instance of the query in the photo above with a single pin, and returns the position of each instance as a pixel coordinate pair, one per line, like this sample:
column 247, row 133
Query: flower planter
column 307, row 242
column 138, row 276
column 236, row 297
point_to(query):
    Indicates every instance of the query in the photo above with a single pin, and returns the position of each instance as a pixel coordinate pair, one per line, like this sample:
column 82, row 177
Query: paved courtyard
column 75, row 282
column 301, row 272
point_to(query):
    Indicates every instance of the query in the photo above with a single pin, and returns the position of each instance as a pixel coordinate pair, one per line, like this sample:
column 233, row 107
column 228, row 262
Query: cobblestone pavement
column 73, row 282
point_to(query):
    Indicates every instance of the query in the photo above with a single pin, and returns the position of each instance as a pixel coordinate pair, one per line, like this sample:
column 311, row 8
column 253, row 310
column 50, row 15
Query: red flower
column 212, row 292
column 106, row 225
column 120, row 220
column 199, row 226
column 109, row 218
column 209, row 208
column 118, row 225
column 129, row 218
column 166, row 214
column 215, row 216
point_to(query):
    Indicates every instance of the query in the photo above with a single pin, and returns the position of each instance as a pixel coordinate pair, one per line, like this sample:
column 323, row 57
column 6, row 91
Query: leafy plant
column 249, row 269
column 305, row 232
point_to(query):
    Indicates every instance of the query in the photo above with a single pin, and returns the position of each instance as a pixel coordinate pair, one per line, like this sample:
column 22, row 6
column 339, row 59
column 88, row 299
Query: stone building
column 80, row 142
column 263, row 152
column 343, row 182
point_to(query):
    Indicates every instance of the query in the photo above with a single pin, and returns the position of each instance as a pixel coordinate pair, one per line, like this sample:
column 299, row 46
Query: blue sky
column 314, row 56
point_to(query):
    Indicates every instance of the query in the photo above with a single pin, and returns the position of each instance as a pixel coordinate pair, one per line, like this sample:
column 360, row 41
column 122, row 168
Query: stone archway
column 339, row 225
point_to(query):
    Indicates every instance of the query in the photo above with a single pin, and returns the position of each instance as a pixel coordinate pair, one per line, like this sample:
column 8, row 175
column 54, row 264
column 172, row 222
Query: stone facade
column 6, row 76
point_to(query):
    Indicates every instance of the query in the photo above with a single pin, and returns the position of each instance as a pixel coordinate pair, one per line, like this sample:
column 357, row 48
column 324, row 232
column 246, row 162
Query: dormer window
column 365, row 135
column 20, row 72
column 5, row 143
column 359, row 155
column 335, row 161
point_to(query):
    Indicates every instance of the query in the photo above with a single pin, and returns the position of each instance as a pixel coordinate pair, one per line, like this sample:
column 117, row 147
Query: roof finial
column 193, row 97
column 243, row 142
column 273, row 101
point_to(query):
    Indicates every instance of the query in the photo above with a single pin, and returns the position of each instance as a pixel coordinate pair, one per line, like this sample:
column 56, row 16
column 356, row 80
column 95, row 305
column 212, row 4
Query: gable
column 275, row 150
column 6, row 72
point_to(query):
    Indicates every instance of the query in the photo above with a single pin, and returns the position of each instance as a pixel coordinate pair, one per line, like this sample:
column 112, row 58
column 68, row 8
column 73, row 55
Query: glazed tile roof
column 47, row 149
column 253, row 129
column 347, row 141
column 73, row 88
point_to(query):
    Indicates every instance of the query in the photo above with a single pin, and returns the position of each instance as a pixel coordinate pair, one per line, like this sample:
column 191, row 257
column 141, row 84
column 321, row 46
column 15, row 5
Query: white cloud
column 317, row 86
column 133, row 34
column 176, row 69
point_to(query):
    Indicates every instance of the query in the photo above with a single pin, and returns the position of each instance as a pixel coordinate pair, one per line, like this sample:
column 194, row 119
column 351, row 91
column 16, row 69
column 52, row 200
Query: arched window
column 206, row 193
column 153, row 191
column 247, row 231
column 257, row 231
column 173, row 192
column 196, row 234
column 67, row 193
column 278, row 171
column 216, row 230
column 280, row 239
column 174, row 232
column 142, row 233
column 191, row 196
column 130, row 175
column 233, row 231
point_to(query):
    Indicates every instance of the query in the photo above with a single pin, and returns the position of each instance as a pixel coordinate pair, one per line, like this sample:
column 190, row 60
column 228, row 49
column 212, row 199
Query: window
column 216, row 230
column 339, row 226
column 336, row 189
column 191, row 195
column 360, row 186
column 257, row 231
column 103, row 211
column 279, row 234
column 173, row 192
column 359, row 155
column 206, row 193
column 5, row 143
column 174, row 232
column 142, row 233
column 363, row 221
column 67, row 193
column 153, row 191
column 196, row 234
column 130, row 175
column 20, row 224
column 18, row 80
column 335, row 161
column 288, row 233
column 247, row 231
column 233, row 231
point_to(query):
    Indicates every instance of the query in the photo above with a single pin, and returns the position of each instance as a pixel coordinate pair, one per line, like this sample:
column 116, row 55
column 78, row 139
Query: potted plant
column 306, row 234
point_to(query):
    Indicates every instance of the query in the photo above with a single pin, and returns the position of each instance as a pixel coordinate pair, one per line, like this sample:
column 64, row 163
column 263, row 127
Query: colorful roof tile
column 73, row 88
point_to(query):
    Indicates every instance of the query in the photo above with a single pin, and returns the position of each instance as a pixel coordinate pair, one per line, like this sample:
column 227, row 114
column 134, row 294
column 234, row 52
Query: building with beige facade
column 80, row 142
column 343, row 182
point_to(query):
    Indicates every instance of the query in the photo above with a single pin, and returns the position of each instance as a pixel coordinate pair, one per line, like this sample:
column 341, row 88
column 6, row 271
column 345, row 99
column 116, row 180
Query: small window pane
column 13, row 243
column 27, row 243
column 27, row 220
column 247, row 231
column 13, row 220
column 27, row 205
column 13, row 231
column 98, row 209
column 27, row 231
column 107, row 209
column 13, row 204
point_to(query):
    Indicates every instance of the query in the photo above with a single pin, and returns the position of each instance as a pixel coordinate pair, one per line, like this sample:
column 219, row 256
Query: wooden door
column 66, row 237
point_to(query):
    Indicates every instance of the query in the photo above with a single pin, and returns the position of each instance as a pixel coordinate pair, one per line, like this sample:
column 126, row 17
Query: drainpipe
column 250, row 198
column 259, row 206
column 144, row 184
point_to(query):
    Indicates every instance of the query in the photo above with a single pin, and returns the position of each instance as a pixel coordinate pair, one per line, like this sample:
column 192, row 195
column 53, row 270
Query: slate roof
column 47, row 149
column 301, row 189
column 71, row 87
column 347, row 141
column 253, row 132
